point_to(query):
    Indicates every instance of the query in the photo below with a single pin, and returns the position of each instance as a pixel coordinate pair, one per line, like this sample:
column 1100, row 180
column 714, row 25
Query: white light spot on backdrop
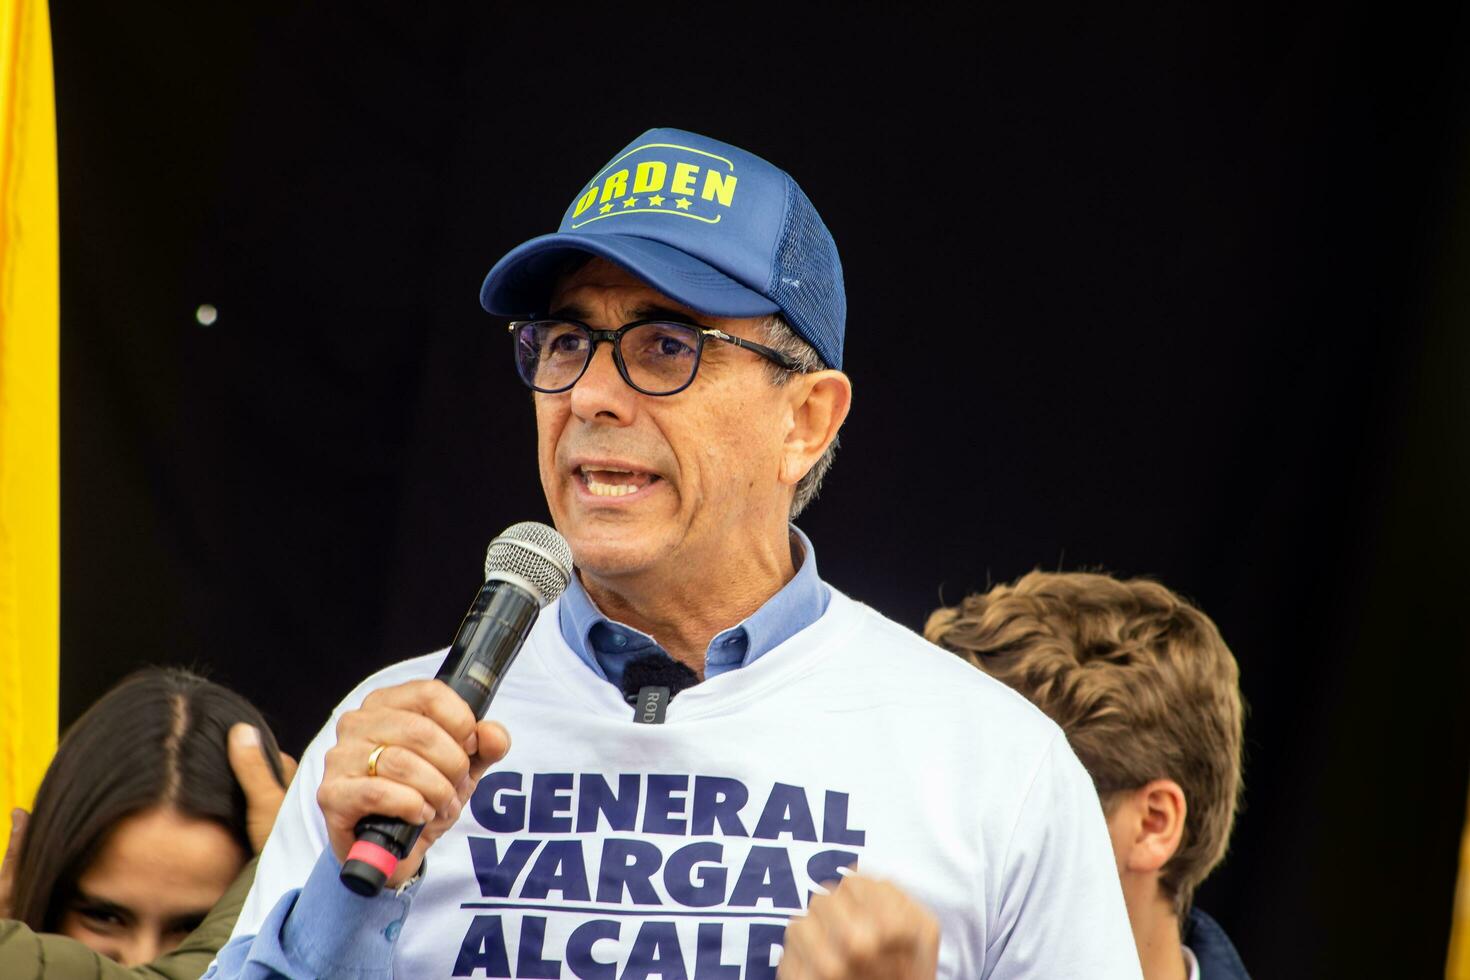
column 206, row 315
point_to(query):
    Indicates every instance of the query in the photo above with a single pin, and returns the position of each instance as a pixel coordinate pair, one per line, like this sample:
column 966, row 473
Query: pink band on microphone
column 378, row 857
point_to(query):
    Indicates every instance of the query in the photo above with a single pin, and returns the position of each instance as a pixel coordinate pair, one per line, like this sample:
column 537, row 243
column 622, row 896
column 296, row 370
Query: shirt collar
column 606, row 646
column 1191, row 963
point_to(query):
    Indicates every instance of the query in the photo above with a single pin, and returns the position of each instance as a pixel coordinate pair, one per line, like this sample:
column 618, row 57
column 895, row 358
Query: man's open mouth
column 610, row 482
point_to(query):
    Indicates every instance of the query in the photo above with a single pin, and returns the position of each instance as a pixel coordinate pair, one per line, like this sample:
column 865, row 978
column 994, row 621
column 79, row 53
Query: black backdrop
column 1178, row 294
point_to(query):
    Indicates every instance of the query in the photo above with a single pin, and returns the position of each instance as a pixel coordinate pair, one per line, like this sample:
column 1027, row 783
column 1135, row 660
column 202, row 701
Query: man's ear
column 819, row 402
column 1152, row 825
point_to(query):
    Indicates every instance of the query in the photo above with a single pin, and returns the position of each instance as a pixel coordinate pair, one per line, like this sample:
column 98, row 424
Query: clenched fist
column 435, row 751
column 864, row 930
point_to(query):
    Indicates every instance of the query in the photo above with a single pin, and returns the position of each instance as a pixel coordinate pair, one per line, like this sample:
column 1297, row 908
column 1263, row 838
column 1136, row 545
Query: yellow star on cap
column 630, row 202
column 655, row 201
column 604, row 209
column 683, row 203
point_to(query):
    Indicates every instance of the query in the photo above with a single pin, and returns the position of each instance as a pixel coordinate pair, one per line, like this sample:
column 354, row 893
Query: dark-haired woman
column 157, row 798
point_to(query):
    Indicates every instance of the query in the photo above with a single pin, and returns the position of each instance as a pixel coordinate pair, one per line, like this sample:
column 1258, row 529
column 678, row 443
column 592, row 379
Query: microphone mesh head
column 532, row 554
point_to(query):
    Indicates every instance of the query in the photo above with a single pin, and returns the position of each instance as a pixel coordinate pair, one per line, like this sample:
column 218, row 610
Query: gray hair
column 779, row 336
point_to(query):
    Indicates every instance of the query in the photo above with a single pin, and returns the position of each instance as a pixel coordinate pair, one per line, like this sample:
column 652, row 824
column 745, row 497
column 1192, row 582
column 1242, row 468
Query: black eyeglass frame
column 615, row 337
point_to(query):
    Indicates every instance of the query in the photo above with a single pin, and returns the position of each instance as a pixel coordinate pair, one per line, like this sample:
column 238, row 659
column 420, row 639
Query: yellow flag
column 1458, row 967
column 30, row 471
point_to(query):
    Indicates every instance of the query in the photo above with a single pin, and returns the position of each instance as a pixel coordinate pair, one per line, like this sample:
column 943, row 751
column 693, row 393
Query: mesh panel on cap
column 807, row 280
column 533, row 552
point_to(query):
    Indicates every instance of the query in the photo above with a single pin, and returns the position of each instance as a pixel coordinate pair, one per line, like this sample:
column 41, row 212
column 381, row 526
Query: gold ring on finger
column 373, row 760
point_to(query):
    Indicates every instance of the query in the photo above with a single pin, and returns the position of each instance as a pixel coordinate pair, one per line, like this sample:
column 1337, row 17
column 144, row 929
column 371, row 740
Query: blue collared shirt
column 606, row 646
column 325, row 929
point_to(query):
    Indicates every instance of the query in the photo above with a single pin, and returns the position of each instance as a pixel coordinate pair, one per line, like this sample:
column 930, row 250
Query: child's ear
column 1152, row 822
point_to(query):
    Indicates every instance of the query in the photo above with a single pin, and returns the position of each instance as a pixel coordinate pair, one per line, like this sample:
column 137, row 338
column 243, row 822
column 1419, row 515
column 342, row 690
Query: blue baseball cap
column 705, row 223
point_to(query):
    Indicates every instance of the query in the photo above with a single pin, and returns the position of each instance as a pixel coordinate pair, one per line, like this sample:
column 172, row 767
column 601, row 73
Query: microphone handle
column 488, row 639
column 492, row 633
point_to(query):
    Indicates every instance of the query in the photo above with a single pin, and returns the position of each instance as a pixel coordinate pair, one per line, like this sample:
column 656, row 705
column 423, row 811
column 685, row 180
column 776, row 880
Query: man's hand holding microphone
column 407, row 760
column 430, row 749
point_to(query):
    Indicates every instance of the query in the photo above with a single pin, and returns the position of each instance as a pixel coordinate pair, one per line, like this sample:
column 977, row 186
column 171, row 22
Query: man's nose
column 601, row 393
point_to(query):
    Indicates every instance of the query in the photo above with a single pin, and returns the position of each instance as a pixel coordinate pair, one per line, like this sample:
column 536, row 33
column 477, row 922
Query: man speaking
column 827, row 791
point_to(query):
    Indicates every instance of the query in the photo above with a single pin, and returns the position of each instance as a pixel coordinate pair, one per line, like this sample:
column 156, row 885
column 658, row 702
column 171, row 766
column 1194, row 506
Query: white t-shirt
column 601, row 847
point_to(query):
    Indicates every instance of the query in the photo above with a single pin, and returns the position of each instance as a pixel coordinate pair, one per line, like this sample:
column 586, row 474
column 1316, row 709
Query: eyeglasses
column 656, row 357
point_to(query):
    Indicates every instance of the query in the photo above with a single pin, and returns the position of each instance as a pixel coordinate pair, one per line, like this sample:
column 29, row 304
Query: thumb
column 247, row 759
column 18, row 820
column 492, row 742
column 263, row 795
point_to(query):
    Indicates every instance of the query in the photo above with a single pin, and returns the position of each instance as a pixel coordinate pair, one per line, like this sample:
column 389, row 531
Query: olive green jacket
column 28, row 955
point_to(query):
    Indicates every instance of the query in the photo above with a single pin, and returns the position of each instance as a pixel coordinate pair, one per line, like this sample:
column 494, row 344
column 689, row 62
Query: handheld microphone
column 526, row 568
